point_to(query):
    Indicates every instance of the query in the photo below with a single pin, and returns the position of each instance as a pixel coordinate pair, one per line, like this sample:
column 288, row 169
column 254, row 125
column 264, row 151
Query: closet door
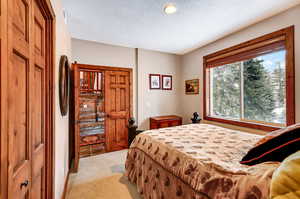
column 117, row 108
column 26, row 100
column 38, row 104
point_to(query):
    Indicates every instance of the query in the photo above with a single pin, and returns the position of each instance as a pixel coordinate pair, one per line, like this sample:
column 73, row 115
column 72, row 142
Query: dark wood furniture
column 102, row 103
column 165, row 121
column 133, row 132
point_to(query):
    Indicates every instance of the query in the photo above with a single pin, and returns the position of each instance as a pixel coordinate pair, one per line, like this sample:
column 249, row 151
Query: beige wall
column 87, row 52
column 146, row 103
column 157, row 102
column 63, row 47
column 192, row 63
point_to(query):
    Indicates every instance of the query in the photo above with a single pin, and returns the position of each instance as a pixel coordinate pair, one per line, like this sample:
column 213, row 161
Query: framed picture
column 167, row 82
column 154, row 80
column 192, row 87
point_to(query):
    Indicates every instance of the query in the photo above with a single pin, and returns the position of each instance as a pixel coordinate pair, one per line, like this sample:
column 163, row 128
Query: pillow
column 285, row 181
column 276, row 133
column 275, row 146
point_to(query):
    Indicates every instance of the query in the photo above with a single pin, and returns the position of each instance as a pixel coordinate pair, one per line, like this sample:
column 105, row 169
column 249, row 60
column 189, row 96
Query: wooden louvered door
column 26, row 100
column 117, row 108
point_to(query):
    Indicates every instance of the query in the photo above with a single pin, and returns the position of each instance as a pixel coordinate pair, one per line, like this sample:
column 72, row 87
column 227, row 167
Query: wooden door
column 26, row 100
column 117, row 108
column 38, row 104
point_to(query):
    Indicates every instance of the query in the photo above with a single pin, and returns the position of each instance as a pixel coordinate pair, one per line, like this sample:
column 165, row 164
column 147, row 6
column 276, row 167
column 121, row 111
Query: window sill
column 243, row 124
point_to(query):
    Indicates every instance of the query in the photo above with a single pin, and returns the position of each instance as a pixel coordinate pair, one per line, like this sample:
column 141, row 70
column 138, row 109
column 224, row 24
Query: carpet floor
column 102, row 177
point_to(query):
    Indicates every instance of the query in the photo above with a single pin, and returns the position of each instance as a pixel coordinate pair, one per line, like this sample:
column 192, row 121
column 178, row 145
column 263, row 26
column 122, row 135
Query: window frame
column 231, row 55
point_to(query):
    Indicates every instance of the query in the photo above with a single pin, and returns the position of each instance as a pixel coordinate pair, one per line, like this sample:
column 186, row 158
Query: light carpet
column 102, row 177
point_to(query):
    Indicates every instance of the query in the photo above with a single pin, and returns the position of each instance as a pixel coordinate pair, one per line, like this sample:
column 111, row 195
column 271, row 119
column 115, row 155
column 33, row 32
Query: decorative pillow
column 285, row 182
column 275, row 146
column 276, row 133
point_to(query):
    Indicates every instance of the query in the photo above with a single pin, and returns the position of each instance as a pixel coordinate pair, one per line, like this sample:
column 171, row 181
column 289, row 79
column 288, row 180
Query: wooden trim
column 160, row 82
column 204, row 89
column 71, row 154
column 131, row 94
column 96, row 67
column 245, row 124
column 251, row 42
column 75, row 132
column 241, row 49
column 290, row 75
column 288, row 35
column 65, row 191
column 247, row 54
column 3, row 100
column 50, row 95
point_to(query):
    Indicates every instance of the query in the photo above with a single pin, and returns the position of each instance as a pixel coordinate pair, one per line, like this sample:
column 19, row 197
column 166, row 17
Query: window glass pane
column 225, row 91
column 264, row 88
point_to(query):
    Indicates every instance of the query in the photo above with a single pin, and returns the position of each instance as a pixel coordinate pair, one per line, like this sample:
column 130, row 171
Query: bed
column 196, row 161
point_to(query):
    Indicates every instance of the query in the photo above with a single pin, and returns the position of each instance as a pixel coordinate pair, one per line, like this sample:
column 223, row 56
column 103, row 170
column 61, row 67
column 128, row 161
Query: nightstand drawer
column 165, row 121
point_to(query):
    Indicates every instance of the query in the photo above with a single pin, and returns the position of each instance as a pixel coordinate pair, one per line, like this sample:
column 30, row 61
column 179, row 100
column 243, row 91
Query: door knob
column 24, row 184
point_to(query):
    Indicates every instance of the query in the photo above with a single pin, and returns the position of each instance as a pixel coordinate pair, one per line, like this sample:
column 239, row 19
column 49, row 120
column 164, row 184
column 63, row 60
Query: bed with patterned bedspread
column 196, row 161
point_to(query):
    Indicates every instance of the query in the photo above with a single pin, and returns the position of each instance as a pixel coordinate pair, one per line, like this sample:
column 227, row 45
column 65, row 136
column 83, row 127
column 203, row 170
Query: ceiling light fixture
column 170, row 8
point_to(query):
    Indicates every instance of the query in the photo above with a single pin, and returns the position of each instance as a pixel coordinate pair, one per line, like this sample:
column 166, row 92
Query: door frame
column 111, row 68
column 48, row 12
column 75, row 69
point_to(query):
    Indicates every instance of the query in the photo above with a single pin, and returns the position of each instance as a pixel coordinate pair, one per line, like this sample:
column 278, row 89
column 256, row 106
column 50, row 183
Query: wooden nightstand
column 165, row 121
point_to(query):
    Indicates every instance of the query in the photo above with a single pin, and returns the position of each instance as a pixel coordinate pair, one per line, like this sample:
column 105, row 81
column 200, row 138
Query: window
column 252, row 84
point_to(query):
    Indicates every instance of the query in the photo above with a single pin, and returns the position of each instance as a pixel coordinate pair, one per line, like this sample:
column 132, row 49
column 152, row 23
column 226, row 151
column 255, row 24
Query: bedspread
column 196, row 161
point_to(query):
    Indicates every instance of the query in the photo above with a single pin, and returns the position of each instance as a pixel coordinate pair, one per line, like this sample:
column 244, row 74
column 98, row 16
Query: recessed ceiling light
column 170, row 8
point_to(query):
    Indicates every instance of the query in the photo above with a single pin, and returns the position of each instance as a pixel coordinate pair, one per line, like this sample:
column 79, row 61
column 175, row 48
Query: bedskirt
column 155, row 182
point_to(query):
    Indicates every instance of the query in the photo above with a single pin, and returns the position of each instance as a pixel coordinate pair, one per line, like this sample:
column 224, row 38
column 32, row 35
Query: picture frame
column 192, row 87
column 64, row 84
column 154, row 81
column 167, row 82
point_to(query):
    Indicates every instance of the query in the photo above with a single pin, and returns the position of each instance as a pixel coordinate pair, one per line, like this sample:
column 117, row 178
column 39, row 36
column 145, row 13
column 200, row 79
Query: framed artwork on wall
column 154, row 81
column 167, row 82
column 192, row 87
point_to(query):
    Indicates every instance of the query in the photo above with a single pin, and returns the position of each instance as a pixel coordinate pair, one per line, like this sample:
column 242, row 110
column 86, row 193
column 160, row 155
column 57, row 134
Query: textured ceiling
column 143, row 24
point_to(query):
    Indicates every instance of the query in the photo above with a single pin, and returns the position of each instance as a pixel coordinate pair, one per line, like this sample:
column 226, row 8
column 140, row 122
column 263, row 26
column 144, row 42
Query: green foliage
column 226, row 91
column 259, row 100
column 264, row 89
column 278, row 84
